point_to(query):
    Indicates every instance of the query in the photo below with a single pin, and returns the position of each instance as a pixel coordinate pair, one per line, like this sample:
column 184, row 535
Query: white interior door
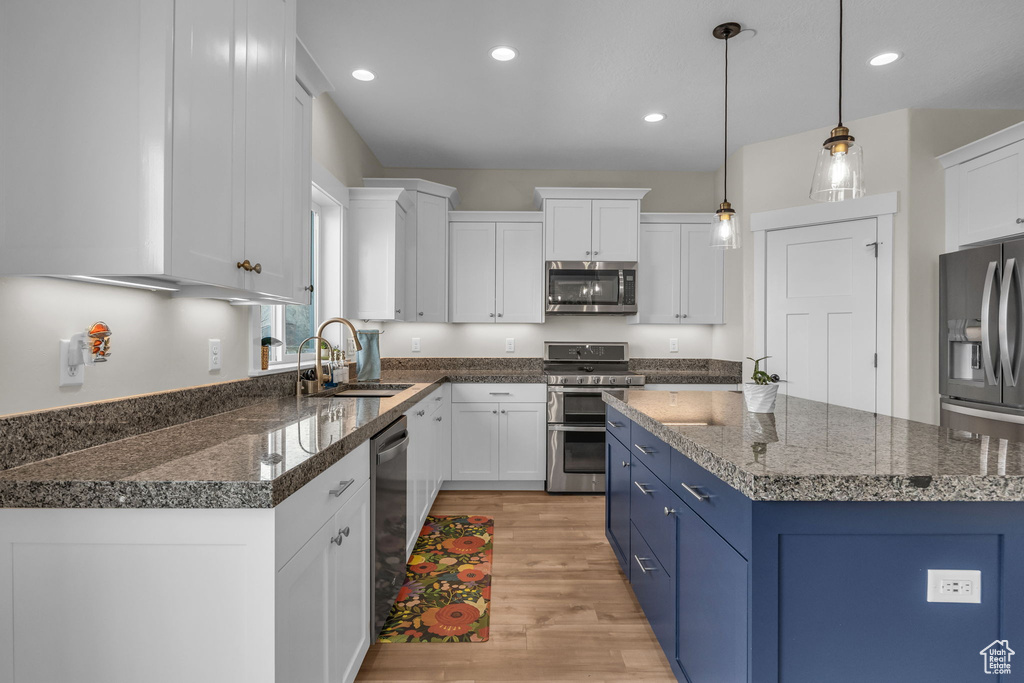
column 821, row 311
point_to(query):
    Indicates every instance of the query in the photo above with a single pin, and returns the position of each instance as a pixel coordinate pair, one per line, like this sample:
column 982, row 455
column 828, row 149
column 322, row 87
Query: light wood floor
column 562, row 609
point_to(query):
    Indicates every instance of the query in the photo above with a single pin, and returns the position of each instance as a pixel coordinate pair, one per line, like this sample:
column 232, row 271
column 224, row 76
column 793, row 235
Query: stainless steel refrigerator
column 981, row 313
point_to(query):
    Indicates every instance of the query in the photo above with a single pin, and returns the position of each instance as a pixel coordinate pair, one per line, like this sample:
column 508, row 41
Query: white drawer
column 499, row 393
column 300, row 515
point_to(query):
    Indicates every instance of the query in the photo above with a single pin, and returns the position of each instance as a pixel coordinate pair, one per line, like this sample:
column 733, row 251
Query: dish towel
column 368, row 359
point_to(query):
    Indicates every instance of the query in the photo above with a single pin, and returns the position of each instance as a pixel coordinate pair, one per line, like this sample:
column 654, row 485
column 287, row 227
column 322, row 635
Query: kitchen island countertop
column 813, row 451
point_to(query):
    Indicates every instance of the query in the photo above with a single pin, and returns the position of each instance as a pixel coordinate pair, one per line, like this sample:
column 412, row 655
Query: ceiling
column 588, row 70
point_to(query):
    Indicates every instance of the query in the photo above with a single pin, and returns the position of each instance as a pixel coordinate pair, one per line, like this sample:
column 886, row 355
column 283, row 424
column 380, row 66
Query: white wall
column 483, row 340
column 158, row 343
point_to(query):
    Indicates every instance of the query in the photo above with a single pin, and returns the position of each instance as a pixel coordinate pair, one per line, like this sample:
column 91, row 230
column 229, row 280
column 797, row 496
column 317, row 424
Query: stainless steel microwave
column 591, row 287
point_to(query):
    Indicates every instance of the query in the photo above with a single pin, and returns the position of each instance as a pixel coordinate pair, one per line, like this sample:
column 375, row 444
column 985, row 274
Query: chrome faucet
column 319, row 366
column 320, row 333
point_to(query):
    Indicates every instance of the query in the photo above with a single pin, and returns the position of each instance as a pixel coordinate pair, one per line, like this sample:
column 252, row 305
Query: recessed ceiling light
column 884, row 58
column 363, row 75
column 503, row 53
column 654, row 117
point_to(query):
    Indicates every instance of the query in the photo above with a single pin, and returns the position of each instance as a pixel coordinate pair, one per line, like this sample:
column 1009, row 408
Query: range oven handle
column 591, row 389
column 575, row 428
column 991, row 373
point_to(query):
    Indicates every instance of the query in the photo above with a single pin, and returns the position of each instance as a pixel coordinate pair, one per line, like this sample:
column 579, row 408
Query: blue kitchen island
column 795, row 547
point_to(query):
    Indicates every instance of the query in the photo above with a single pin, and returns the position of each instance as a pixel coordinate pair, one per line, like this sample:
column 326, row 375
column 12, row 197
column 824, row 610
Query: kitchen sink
column 368, row 393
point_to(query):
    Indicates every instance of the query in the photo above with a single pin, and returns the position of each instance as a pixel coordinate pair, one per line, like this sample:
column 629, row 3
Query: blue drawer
column 617, row 425
column 655, row 591
column 652, row 508
column 725, row 509
column 650, row 450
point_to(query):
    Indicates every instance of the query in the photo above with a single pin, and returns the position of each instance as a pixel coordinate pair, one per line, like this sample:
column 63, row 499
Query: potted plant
column 265, row 345
column 760, row 394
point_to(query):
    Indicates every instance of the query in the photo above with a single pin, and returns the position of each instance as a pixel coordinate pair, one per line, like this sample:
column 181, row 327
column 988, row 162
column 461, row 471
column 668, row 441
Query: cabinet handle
column 595, row 253
column 421, row 313
column 500, row 393
column 617, row 425
column 1020, row 220
column 439, row 398
column 342, row 535
column 342, row 485
column 398, row 310
column 677, row 315
column 642, row 488
column 644, row 449
column 625, row 464
column 702, row 497
column 640, row 563
column 421, row 413
column 490, row 314
column 437, row 419
column 503, row 412
column 501, row 315
column 494, row 412
column 588, row 253
column 669, row 511
column 308, row 288
column 248, row 267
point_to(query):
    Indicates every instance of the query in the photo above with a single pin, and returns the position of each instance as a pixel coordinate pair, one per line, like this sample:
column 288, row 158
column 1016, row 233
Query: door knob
column 342, row 535
column 248, row 267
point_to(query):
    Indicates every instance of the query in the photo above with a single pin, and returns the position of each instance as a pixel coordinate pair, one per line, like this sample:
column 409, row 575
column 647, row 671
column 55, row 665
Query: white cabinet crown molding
column 308, row 73
column 418, row 185
column 496, row 216
column 394, row 194
column 676, row 217
column 989, row 143
column 542, row 193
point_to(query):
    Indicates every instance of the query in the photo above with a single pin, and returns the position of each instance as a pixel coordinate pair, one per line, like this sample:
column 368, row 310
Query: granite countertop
column 813, row 451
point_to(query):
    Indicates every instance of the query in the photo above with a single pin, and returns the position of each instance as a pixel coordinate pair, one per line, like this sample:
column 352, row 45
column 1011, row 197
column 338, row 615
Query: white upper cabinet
column 426, row 291
column 590, row 224
column 301, row 184
column 680, row 278
column 177, row 161
column 985, row 189
column 496, row 267
column 375, row 263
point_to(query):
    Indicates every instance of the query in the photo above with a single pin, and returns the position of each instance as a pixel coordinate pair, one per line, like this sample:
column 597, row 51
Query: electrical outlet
column 415, row 343
column 70, row 376
column 510, row 344
column 350, row 344
column 673, row 345
column 954, row 585
column 214, row 355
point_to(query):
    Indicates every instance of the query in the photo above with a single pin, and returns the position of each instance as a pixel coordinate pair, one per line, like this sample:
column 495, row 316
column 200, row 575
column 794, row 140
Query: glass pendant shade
column 725, row 228
column 838, row 175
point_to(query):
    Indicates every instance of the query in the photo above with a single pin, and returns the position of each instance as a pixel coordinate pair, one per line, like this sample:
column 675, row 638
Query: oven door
column 575, row 459
column 578, row 405
column 588, row 287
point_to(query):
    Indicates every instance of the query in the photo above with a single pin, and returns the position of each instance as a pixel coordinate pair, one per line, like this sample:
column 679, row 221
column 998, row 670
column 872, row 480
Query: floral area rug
column 447, row 591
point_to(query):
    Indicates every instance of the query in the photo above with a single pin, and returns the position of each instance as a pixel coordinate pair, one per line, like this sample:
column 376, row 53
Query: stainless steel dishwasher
column 389, row 462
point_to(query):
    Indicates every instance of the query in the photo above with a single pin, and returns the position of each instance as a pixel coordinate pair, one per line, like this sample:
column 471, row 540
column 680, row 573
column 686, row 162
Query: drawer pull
column 421, row 413
column 644, row 449
column 669, row 511
column 342, row 485
column 642, row 488
column 616, row 425
column 437, row 419
column 342, row 535
column 640, row 563
column 625, row 464
column 500, row 393
column 702, row 497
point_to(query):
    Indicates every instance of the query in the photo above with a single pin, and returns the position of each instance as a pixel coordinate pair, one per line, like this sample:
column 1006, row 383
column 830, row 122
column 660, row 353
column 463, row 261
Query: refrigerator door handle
column 991, row 374
column 1011, row 279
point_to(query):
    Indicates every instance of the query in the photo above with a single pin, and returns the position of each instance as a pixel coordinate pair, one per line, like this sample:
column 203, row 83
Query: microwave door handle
column 991, row 375
column 1011, row 280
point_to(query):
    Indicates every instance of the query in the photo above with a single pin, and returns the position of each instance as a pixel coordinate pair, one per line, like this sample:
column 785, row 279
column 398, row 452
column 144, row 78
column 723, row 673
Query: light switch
column 415, row 343
column 673, row 345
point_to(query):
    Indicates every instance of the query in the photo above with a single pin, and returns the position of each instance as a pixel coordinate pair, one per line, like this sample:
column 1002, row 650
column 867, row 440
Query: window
column 292, row 323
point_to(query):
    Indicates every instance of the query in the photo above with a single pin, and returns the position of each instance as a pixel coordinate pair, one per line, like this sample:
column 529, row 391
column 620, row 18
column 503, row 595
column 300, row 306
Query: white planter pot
column 760, row 398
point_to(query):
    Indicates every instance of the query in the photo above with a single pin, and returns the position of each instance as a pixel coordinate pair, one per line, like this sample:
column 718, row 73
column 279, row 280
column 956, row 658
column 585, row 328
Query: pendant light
column 725, row 229
column 839, row 173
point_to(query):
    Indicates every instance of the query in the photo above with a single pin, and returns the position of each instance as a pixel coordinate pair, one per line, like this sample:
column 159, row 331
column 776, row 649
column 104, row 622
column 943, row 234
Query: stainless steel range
column 577, row 374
